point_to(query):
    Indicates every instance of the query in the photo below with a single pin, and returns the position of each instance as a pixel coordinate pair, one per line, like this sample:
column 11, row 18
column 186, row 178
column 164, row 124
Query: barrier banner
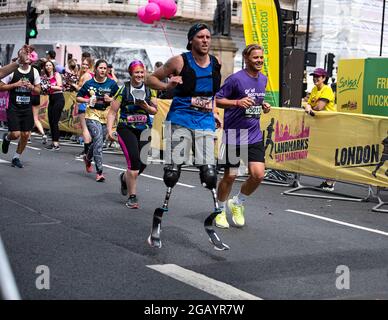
column 336, row 145
column 339, row 146
column 261, row 26
column 362, row 86
column 157, row 136
column 69, row 121
column 3, row 105
column 157, row 124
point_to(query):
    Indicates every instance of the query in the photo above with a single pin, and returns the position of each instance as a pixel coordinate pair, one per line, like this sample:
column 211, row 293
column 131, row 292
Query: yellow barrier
column 69, row 121
column 339, row 146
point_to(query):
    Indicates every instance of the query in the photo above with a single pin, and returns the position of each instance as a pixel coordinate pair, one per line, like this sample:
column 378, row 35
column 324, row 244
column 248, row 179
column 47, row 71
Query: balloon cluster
column 157, row 9
column 33, row 56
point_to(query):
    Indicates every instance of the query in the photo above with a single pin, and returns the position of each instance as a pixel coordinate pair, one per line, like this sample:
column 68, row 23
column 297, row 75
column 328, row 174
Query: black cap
column 51, row 53
column 193, row 31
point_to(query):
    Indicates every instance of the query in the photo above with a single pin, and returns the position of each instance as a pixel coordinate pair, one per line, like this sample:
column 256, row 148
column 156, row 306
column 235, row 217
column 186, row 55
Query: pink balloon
column 168, row 8
column 143, row 16
column 33, row 56
column 155, row 1
column 152, row 11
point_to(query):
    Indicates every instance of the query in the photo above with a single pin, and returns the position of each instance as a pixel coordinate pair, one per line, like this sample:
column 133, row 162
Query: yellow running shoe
column 221, row 221
column 237, row 213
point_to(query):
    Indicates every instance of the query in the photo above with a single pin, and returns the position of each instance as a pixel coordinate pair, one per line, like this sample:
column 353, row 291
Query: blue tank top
column 181, row 110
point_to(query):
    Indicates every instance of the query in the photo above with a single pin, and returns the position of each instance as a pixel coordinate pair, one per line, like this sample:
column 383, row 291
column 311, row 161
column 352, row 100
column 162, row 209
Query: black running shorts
column 35, row 100
column 20, row 119
column 230, row 155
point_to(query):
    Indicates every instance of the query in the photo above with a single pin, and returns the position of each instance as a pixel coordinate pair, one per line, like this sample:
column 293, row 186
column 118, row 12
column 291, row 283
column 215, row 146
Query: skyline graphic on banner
column 282, row 133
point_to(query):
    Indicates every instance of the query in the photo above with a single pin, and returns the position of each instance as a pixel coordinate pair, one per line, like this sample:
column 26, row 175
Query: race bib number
column 204, row 104
column 137, row 118
column 253, row 112
column 23, row 99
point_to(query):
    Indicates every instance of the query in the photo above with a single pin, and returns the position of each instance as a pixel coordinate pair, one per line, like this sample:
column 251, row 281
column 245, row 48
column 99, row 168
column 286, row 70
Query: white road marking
column 33, row 148
column 339, row 222
column 144, row 175
column 204, row 283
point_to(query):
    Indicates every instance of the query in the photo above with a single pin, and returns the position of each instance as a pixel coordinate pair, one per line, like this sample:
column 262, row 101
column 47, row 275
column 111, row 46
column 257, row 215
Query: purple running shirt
column 243, row 126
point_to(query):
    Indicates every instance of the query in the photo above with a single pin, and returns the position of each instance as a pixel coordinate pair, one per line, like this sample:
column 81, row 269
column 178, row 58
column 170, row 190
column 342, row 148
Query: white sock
column 16, row 155
column 240, row 198
column 222, row 205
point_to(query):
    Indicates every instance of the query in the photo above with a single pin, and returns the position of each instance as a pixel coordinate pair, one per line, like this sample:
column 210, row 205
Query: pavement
column 53, row 215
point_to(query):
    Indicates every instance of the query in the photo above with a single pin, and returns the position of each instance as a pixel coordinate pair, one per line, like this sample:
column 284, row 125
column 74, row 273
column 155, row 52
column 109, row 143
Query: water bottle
column 93, row 98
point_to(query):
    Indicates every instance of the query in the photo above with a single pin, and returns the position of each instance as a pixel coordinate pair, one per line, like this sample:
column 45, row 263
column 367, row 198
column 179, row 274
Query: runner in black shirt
column 20, row 85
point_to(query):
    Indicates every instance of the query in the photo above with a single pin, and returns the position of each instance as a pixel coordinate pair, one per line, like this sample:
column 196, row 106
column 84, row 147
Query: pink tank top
column 53, row 82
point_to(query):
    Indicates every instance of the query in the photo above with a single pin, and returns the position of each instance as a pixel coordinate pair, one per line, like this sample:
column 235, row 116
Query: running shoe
column 123, row 184
column 325, row 186
column 5, row 144
column 221, row 221
column 17, row 163
column 237, row 213
column 81, row 155
column 100, row 177
column 132, row 202
column 53, row 147
column 88, row 164
column 44, row 139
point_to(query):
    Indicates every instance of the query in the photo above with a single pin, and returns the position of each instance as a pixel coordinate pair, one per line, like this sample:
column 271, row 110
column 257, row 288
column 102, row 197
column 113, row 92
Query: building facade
column 111, row 29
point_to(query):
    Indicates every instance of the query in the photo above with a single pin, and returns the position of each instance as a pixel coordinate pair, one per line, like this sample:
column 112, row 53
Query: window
column 236, row 8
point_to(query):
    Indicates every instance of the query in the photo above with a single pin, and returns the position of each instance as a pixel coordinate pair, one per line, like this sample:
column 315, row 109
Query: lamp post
column 382, row 30
column 306, row 48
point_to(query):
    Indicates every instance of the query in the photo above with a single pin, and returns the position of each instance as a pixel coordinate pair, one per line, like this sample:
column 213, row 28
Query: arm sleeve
column 327, row 94
column 310, row 100
column 36, row 77
column 115, row 89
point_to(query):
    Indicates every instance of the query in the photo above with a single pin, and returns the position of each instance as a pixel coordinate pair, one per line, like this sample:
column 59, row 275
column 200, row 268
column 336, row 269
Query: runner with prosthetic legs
column 196, row 77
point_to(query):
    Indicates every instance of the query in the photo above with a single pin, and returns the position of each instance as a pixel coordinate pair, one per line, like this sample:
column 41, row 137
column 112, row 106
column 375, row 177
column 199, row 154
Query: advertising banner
column 69, row 121
column 376, row 87
column 362, row 86
column 340, row 146
column 261, row 26
column 336, row 145
column 350, row 84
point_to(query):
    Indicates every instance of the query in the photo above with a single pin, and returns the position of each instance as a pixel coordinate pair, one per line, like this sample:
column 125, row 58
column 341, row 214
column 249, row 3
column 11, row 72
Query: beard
column 200, row 50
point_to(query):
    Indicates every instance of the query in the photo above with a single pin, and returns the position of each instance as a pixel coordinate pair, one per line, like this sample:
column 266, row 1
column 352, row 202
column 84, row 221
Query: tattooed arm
column 172, row 67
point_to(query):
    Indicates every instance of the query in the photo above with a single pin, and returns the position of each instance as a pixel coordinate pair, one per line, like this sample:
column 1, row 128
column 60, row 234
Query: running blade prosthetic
column 213, row 237
column 154, row 238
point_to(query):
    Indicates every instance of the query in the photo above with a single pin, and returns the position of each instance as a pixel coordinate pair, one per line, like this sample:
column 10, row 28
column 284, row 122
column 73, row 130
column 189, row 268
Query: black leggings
column 55, row 107
column 133, row 148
